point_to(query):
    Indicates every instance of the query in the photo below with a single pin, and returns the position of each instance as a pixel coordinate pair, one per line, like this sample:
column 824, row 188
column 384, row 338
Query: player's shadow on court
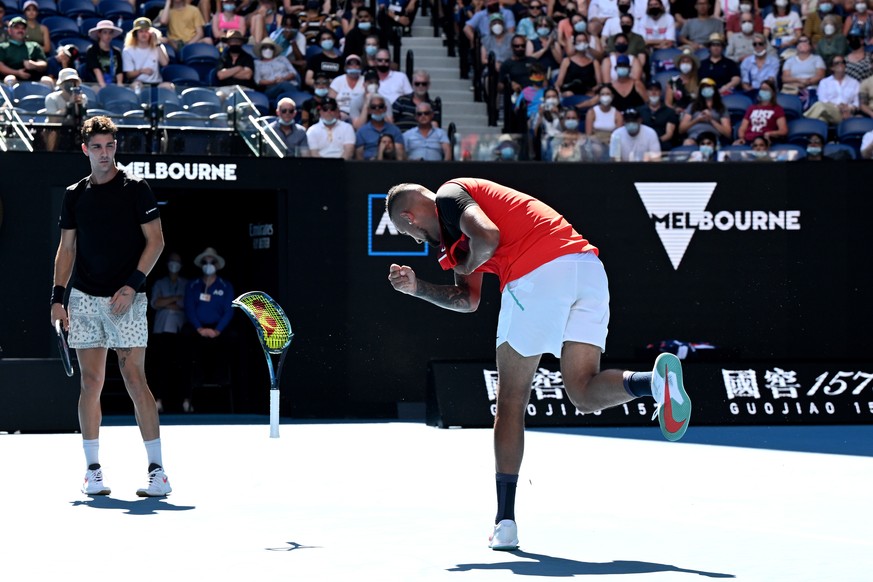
column 551, row 566
column 144, row 506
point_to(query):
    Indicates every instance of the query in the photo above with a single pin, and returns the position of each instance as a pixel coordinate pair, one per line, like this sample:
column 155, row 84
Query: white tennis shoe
column 159, row 485
column 505, row 536
column 93, row 484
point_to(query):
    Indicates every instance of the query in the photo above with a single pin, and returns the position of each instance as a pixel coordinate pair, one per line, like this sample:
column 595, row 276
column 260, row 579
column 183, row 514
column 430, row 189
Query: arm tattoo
column 454, row 297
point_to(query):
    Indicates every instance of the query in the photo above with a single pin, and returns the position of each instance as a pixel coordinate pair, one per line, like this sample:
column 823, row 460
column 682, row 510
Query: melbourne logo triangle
column 675, row 208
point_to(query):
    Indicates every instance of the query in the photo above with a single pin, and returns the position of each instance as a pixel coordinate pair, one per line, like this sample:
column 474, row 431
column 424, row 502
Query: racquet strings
column 275, row 327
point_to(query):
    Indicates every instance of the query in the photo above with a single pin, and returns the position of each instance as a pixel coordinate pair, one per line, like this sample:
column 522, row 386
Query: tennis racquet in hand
column 274, row 332
column 63, row 348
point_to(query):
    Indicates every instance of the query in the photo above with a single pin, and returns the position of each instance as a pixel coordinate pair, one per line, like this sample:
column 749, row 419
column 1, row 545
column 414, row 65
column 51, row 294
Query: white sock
column 153, row 450
column 92, row 450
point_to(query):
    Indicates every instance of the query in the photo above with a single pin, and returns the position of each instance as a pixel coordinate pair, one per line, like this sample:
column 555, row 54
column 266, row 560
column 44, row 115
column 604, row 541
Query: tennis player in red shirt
column 555, row 299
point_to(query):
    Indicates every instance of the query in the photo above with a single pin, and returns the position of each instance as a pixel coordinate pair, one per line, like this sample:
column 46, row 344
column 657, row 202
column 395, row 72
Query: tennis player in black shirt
column 110, row 239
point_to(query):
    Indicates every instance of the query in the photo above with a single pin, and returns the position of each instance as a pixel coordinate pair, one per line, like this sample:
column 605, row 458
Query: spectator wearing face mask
column 579, row 73
column 813, row 26
column 761, row 66
column 327, row 62
column 733, row 23
column 659, row 117
column 237, row 67
column 707, row 148
column 858, row 65
column 367, row 137
column 696, row 31
column 227, row 19
column 634, row 142
column 833, row 42
column 620, row 51
column 764, row 119
column 741, row 45
column 289, row 131
column 348, row 87
column 168, row 301
column 273, row 74
column 860, row 22
column 291, row 43
column 636, row 44
column 782, row 26
column 356, row 37
column 602, row 119
column 311, row 108
column 481, row 23
column 629, row 92
column 392, row 84
column 66, row 106
column 659, row 28
column 546, row 49
column 705, row 114
column 515, row 72
column 724, row 71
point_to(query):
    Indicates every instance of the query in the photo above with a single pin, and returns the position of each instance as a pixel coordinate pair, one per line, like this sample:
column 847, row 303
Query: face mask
column 706, row 150
column 860, row 7
column 623, row 8
column 760, row 153
column 321, row 92
column 685, row 68
column 209, row 269
column 654, row 99
column 707, row 92
column 228, row 7
column 765, row 95
column 266, row 53
column 829, row 29
column 580, row 26
column 605, row 100
column 328, row 122
column 365, row 25
column 68, row 87
column 825, row 7
column 552, row 102
column 372, row 88
column 632, row 127
column 497, row 29
column 654, row 12
column 234, row 48
column 383, row 68
column 761, row 53
column 371, row 50
column 327, row 45
column 582, row 47
column 377, row 116
column 507, row 153
column 745, row 7
column 174, row 266
column 353, row 72
column 620, row 48
column 285, row 123
column 622, row 72
column 544, row 31
column 813, row 150
column 626, row 28
column 571, row 124
column 747, row 27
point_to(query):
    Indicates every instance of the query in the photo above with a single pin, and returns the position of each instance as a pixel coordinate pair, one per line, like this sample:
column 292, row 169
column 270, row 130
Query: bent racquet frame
column 275, row 335
column 63, row 349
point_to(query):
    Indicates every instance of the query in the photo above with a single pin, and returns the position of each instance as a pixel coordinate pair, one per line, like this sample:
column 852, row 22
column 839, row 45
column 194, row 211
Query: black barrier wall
column 765, row 261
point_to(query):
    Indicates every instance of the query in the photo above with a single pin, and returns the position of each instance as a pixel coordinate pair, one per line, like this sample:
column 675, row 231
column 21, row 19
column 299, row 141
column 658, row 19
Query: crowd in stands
column 582, row 79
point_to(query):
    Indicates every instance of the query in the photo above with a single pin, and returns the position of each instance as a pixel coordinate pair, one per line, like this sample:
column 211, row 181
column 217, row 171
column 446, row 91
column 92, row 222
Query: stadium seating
column 80, row 43
column 115, row 9
column 850, row 131
column 840, row 151
column 664, row 60
column 76, row 8
column 12, row 8
column 31, row 103
column 61, row 28
column 46, row 8
column 118, row 99
column 151, row 9
column 204, row 109
column 663, row 78
column 799, row 130
column 193, row 95
column 25, row 88
column 736, row 104
column 182, row 75
column 791, row 104
column 203, row 58
column 88, row 22
column 185, row 119
column 799, row 150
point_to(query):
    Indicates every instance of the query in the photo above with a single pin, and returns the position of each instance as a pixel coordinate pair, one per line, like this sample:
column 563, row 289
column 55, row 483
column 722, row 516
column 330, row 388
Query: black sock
column 154, row 466
column 506, row 485
column 638, row 384
column 93, row 466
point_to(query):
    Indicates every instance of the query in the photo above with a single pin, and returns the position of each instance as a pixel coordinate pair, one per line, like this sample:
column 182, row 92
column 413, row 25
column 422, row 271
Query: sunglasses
column 383, row 60
column 377, row 106
column 838, row 63
column 535, row 7
column 518, row 46
column 423, row 113
column 326, row 109
column 421, row 83
column 287, row 111
column 758, row 44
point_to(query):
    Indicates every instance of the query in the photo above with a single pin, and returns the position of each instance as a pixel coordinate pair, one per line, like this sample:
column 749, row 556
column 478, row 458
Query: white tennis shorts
column 566, row 299
column 93, row 325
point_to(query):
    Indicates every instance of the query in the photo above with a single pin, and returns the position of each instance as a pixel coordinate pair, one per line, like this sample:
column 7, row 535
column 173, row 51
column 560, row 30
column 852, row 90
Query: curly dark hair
column 99, row 124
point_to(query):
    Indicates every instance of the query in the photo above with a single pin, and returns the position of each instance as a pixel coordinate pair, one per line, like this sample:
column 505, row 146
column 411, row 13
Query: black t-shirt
column 659, row 119
column 331, row 66
column 451, row 203
column 721, row 72
column 107, row 61
column 243, row 59
column 107, row 219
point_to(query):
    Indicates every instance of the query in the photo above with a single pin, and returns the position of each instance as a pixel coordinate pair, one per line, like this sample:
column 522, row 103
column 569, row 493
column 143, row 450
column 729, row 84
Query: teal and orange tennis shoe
column 674, row 405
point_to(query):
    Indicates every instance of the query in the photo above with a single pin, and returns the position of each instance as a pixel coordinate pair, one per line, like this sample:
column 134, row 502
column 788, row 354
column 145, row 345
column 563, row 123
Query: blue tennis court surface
column 406, row 502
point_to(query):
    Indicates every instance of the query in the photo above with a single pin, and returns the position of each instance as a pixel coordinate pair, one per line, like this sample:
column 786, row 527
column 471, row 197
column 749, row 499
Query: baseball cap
column 707, row 81
column 495, row 16
column 17, row 20
column 622, row 60
column 353, row 58
column 328, row 102
column 631, row 114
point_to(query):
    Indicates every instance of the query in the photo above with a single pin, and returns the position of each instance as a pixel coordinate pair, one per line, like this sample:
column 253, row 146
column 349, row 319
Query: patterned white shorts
column 93, row 325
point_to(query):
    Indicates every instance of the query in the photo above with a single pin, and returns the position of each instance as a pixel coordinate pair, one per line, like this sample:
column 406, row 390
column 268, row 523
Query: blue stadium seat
column 663, row 78
column 90, row 94
column 98, row 111
column 204, row 109
column 736, row 104
column 159, row 95
column 117, row 94
column 31, row 103
column 218, row 120
column 13, row 8
column 193, row 95
column 25, row 88
column 61, row 28
column 151, row 9
column 850, row 131
column 200, row 53
column 80, row 43
column 7, row 90
column 46, row 8
column 185, row 118
column 75, row 8
column 115, row 9
column 792, row 105
column 88, row 22
column 133, row 117
column 840, row 151
column 261, row 101
column 312, row 50
column 181, row 75
column 664, row 60
column 799, row 130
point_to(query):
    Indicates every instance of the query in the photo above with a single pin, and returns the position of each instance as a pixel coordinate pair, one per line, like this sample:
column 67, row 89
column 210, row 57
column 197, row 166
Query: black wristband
column 58, row 294
column 136, row 280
